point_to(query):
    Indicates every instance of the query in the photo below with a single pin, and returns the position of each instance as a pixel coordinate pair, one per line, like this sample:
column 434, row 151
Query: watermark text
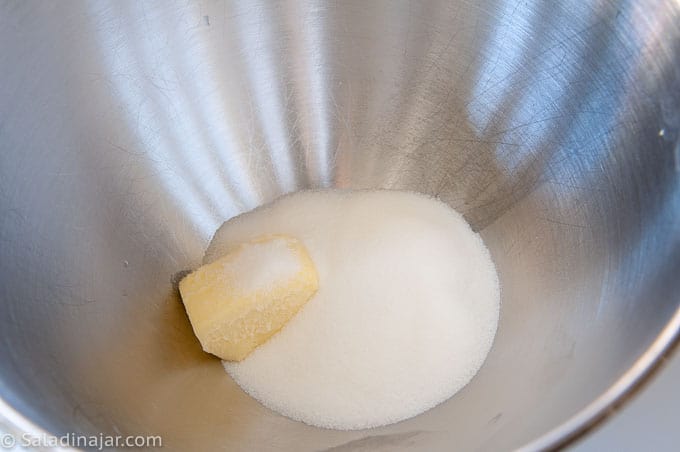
column 97, row 442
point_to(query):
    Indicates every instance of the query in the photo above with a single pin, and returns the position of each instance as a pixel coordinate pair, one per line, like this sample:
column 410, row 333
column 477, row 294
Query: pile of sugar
column 262, row 266
column 405, row 314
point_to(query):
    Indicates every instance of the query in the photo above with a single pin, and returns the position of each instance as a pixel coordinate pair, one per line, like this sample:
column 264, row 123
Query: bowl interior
column 130, row 131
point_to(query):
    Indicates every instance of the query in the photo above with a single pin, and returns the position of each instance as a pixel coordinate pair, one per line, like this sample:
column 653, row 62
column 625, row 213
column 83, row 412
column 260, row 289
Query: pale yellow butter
column 242, row 299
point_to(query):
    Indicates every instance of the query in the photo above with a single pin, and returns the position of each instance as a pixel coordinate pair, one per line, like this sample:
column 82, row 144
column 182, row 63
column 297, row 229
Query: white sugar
column 406, row 311
column 262, row 265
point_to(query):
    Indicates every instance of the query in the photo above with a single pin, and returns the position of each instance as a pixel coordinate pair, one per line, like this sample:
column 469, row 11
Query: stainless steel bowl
column 130, row 130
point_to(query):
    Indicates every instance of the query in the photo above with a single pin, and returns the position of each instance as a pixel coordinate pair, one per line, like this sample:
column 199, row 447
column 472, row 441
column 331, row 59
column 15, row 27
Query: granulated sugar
column 263, row 265
column 405, row 314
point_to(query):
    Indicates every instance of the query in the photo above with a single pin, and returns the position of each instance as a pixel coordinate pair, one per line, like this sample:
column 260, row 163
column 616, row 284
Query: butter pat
column 239, row 301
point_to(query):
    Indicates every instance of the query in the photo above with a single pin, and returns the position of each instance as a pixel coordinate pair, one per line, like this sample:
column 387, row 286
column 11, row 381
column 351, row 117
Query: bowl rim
column 574, row 428
column 617, row 395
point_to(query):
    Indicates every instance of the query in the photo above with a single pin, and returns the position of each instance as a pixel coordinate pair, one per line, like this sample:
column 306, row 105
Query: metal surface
column 646, row 421
column 130, row 130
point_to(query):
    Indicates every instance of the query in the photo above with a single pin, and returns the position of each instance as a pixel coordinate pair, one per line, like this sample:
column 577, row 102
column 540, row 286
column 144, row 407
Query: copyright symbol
column 7, row 441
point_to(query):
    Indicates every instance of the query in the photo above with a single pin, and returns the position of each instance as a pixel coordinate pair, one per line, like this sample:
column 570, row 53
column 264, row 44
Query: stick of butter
column 242, row 299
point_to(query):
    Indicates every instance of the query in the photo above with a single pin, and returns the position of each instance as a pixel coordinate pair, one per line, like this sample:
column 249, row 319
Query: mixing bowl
column 130, row 130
